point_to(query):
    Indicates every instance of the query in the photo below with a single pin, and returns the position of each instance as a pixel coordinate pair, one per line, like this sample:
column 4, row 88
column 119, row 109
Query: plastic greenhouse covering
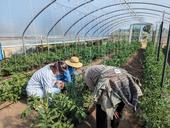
column 84, row 63
column 61, row 20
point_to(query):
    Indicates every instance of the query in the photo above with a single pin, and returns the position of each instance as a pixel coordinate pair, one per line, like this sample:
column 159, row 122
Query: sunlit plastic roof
column 77, row 18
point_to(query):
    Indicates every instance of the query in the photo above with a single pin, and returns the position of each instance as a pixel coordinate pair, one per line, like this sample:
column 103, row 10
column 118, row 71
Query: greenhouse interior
column 84, row 64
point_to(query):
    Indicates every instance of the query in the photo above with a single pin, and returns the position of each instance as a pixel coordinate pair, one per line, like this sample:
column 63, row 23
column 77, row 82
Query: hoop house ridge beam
column 122, row 10
column 66, row 15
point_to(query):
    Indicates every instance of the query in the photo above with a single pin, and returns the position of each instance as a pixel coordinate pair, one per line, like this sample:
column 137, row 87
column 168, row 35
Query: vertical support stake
column 160, row 36
column 165, row 59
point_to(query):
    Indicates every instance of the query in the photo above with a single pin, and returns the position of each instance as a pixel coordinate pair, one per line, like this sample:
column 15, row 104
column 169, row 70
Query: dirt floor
column 10, row 113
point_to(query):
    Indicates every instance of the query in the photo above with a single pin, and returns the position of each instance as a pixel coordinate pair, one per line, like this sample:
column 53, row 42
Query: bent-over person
column 113, row 89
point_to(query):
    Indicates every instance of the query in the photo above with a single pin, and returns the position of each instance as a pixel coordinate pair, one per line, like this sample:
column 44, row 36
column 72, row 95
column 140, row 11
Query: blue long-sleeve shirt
column 68, row 75
column 1, row 53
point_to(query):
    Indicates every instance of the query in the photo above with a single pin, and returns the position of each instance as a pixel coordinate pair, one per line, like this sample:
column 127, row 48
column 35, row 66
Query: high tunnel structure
column 63, row 20
column 84, row 64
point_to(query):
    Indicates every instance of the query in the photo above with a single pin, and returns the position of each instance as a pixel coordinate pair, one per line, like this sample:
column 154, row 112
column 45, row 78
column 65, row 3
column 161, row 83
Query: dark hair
column 61, row 66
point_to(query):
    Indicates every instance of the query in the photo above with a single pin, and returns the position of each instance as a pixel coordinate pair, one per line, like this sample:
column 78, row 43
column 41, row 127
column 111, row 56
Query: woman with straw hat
column 69, row 74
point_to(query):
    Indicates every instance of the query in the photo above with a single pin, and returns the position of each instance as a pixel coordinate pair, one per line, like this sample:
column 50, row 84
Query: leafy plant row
column 19, row 63
column 154, row 106
column 14, row 88
column 69, row 109
column 122, row 54
column 64, row 110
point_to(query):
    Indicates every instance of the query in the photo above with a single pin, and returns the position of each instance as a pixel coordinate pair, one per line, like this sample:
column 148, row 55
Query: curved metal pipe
column 123, row 19
column 80, row 31
column 146, row 14
column 37, row 16
column 114, row 15
column 113, row 26
column 117, row 26
column 112, row 6
column 121, row 4
column 66, row 15
column 32, row 21
column 100, row 27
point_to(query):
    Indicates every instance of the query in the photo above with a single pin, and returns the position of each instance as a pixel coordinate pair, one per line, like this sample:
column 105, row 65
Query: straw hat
column 74, row 62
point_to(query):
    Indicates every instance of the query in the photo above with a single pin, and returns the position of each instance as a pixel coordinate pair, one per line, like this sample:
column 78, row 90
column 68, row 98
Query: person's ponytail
column 61, row 66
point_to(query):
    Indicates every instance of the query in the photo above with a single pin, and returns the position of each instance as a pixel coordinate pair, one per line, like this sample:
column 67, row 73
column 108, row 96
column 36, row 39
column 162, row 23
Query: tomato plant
column 154, row 105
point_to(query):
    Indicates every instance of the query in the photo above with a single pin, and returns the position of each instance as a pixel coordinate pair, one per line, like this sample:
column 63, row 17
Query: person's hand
column 91, row 108
column 116, row 115
column 59, row 84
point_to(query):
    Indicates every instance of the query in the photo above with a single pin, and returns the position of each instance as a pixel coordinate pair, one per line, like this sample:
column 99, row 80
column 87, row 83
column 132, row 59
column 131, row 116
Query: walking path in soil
column 10, row 114
column 135, row 67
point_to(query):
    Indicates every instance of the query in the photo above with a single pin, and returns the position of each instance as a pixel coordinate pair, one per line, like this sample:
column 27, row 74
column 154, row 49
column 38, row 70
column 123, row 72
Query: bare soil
column 11, row 115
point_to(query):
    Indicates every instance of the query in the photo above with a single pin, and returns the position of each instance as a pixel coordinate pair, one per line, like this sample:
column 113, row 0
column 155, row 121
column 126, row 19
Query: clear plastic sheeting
column 31, row 21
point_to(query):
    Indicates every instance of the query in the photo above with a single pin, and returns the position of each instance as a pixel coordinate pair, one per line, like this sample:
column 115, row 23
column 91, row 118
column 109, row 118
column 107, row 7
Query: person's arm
column 67, row 76
column 118, row 111
column 47, row 84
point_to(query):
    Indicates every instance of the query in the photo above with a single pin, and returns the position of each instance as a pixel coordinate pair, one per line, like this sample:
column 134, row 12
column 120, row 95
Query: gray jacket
column 111, row 85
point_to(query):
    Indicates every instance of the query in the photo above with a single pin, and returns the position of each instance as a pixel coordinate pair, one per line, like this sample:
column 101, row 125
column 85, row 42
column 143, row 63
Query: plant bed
column 155, row 108
column 18, row 81
column 85, row 106
column 19, row 63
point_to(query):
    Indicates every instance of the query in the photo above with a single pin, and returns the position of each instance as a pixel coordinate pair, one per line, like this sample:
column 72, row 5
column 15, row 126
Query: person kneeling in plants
column 113, row 88
column 69, row 75
column 44, row 80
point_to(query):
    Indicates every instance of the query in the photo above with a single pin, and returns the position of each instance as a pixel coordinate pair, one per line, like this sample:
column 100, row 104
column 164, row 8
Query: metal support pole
column 156, row 34
column 65, row 50
column 76, row 52
column 160, row 37
column 23, row 46
column 140, row 33
column 119, row 34
column 156, row 40
column 153, row 34
column 112, row 38
column 130, row 35
column 48, row 45
column 165, row 59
